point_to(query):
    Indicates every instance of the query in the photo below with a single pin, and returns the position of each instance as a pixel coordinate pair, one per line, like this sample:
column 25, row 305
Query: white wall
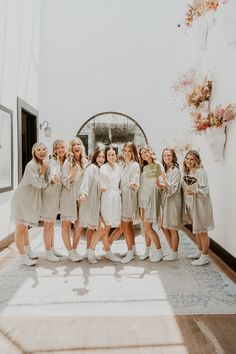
column 123, row 56
column 111, row 55
column 19, row 50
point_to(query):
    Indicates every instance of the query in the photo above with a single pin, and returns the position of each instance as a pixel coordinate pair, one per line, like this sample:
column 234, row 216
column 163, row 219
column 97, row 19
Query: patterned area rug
column 137, row 288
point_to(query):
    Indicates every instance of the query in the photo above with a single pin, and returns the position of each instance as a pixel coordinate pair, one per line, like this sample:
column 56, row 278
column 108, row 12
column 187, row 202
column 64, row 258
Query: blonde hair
column 82, row 159
column 37, row 146
column 55, row 145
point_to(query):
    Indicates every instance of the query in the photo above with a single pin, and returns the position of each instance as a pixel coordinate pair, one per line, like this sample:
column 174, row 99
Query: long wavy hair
column 174, row 158
column 110, row 147
column 152, row 153
column 95, row 155
column 71, row 158
column 134, row 152
column 55, row 144
column 197, row 159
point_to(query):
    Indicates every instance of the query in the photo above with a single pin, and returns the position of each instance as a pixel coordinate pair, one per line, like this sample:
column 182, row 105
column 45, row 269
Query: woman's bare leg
column 174, row 240
column 66, row 234
column 105, row 238
column 152, row 234
column 78, row 228
column 89, row 234
column 205, row 242
column 167, row 234
column 115, row 234
column 47, row 234
column 20, row 235
column 203, row 259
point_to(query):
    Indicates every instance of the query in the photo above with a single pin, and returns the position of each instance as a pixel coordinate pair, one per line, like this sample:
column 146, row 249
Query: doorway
column 27, row 119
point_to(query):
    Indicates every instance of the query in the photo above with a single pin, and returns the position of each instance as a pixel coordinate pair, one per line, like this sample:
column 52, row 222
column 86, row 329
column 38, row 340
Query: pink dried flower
column 199, row 8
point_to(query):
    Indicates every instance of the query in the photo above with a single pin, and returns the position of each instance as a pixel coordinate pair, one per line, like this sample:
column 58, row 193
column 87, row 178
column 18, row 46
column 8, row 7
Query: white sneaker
column 112, row 257
column 157, row 255
column 194, row 255
column 134, row 250
column 91, row 256
column 201, row 261
column 98, row 258
column 30, row 253
column 56, row 253
column 128, row 257
column 173, row 256
column 124, row 254
column 74, row 256
column 51, row 257
column 28, row 261
column 145, row 255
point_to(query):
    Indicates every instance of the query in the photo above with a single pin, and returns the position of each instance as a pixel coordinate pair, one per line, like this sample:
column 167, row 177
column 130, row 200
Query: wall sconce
column 47, row 129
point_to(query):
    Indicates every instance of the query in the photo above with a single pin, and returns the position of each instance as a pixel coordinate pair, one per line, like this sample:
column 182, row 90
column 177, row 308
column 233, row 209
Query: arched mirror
column 110, row 128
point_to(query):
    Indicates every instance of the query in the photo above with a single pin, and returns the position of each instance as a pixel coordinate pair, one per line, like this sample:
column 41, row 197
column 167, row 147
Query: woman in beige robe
column 72, row 174
column 51, row 199
column 171, row 202
column 26, row 201
column 198, row 205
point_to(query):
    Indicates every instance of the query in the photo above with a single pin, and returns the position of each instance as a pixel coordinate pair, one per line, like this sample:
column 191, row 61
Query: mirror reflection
column 110, row 128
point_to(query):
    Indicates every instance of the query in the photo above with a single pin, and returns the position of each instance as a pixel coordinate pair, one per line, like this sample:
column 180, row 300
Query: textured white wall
column 19, row 50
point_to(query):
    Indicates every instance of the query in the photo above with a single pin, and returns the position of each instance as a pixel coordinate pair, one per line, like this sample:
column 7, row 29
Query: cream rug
column 139, row 288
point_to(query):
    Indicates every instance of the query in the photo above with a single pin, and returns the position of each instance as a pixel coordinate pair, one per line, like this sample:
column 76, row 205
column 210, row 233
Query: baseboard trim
column 5, row 242
column 224, row 255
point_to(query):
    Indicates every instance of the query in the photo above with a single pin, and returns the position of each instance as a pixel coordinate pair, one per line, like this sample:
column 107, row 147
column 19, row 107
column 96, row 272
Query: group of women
column 111, row 193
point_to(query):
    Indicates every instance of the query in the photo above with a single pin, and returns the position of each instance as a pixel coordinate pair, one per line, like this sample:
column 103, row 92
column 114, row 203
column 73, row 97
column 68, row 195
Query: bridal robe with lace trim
column 26, row 201
column 52, row 193
column 90, row 207
column 199, row 207
column 149, row 198
column 69, row 206
column 111, row 199
column 171, row 201
column 130, row 173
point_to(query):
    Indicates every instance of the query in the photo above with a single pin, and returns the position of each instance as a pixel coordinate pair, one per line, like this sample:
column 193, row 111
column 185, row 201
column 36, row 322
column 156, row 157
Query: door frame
column 22, row 105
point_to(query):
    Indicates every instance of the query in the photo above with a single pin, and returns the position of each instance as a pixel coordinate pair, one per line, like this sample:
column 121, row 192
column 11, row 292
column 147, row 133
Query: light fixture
column 47, row 129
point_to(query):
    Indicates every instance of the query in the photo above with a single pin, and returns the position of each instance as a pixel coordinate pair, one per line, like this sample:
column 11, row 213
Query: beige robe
column 52, row 193
column 171, row 201
column 91, row 206
column 69, row 207
column 27, row 198
column 198, row 208
column 130, row 173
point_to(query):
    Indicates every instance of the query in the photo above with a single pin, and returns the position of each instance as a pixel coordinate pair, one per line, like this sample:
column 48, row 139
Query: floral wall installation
column 199, row 7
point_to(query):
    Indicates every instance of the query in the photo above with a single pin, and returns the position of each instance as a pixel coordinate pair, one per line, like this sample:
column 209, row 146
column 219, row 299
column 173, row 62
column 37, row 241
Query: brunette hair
column 110, row 147
column 133, row 149
column 174, row 158
column 95, row 155
column 197, row 159
column 152, row 153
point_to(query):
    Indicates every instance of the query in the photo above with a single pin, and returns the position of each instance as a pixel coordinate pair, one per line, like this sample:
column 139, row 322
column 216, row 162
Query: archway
column 110, row 128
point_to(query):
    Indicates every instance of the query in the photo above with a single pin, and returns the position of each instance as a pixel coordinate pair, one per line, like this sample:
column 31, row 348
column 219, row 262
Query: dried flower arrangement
column 215, row 119
column 200, row 94
column 198, row 8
